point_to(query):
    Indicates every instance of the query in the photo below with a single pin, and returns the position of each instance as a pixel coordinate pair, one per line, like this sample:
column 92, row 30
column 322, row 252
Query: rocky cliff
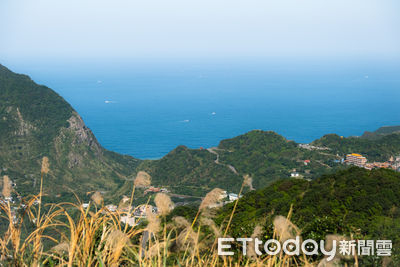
column 36, row 122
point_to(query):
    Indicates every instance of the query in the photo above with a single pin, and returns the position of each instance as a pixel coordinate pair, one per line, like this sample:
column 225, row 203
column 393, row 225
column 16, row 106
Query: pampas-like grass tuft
column 181, row 221
column 248, row 181
column 163, row 203
column 186, row 240
column 45, row 165
column 154, row 222
column 6, row 187
column 257, row 233
column 116, row 240
column 61, row 248
column 97, row 198
column 284, row 228
column 143, row 179
column 210, row 223
column 211, row 198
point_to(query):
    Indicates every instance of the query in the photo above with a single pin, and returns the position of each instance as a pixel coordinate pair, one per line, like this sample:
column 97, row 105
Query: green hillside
column 380, row 149
column 382, row 131
column 265, row 156
column 191, row 171
column 356, row 201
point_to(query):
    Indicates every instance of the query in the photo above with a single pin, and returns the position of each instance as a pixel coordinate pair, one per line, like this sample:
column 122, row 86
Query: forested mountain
column 36, row 122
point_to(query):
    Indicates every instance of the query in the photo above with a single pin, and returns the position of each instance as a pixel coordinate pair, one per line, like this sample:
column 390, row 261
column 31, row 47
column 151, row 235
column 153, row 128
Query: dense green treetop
column 354, row 201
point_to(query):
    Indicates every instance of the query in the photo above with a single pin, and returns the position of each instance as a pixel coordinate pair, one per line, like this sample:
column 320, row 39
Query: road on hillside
column 213, row 151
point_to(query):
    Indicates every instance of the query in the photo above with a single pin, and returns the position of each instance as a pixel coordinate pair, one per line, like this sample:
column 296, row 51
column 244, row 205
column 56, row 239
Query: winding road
column 213, row 151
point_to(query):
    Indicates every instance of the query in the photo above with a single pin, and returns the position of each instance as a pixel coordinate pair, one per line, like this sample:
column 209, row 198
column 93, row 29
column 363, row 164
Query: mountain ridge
column 381, row 132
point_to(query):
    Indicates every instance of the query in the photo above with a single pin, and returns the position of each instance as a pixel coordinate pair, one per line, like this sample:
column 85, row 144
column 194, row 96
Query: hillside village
column 133, row 214
column 362, row 162
column 126, row 212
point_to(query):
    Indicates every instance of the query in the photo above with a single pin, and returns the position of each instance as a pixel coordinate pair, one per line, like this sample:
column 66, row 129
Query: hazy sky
column 199, row 28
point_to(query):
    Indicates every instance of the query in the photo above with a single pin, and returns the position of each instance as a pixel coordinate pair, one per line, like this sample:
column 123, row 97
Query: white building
column 233, row 197
column 128, row 220
column 9, row 200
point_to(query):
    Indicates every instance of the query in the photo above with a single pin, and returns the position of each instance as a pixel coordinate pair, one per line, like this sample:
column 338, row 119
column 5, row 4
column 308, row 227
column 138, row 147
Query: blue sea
column 147, row 108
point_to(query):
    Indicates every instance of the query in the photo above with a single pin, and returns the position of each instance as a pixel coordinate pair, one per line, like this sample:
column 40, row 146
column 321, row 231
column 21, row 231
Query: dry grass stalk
column 284, row 228
column 116, row 241
column 181, row 222
column 124, row 204
column 37, row 244
column 156, row 249
column 211, row 198
column 7, row 189
column 329, row 239
column 186, row 240
column 97, row 198
column 210, row 223
column 333, row 263
column 143, row 179
column 61, row 248
column 234, row 209
column 125, row 200
column 163, row 203
column 154, row 221
column 248, row 181
column 257, row 233
column 209, row 201
column 45, row 165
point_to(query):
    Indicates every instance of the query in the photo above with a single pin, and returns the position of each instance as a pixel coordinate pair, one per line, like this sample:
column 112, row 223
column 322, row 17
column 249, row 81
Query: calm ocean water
column 147, row 109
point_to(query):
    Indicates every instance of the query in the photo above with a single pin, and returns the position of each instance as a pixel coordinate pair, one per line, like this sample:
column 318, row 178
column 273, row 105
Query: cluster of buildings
column 128, row 214
column 311, row 147
column 356, row 160
column 295, row 174
column 16, row 204
column 229, row 197
column 362, row 162
column 225, row 198
column 152, row 189
column 133, row 213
